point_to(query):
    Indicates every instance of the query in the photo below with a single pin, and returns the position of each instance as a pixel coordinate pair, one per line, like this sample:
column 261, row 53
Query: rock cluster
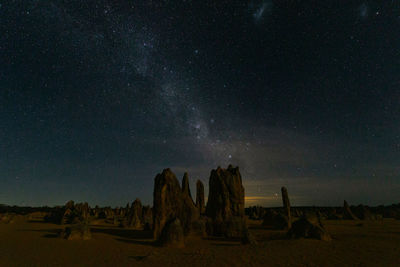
column 70, row 213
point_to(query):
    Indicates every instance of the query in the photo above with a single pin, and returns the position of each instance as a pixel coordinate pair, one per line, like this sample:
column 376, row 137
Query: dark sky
column 97, row 97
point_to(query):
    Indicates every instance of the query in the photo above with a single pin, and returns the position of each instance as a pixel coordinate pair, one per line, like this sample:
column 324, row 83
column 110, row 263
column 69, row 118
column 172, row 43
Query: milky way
column 97, row 97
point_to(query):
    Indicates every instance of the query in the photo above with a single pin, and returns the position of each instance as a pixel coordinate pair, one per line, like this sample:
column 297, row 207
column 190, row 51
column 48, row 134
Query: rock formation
column 304, row 228
column 225, row 206
column 190, row 214
column 167, row 200
column 135, row 215
column 347, row 213
column 69, row 213
column 77, row 232
column 200, row 203
column 170, row 202
column 275, row 220
column 185, row 185
column 286, row 206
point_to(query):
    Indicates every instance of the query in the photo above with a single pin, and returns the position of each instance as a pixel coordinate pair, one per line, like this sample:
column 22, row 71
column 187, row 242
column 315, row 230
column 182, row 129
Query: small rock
column 77, row 232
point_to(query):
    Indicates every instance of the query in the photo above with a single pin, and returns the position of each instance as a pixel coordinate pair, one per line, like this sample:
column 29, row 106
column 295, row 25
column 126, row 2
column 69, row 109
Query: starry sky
column 98, row 96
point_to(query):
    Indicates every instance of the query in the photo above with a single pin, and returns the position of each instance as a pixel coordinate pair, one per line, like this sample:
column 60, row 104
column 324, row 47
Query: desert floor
column 30, row 242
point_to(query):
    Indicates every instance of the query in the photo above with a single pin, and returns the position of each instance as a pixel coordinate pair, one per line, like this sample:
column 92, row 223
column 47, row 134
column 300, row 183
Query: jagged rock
column 77, row 232
column 304, row 228
column 170, row 202
column 167, row 200
column 190, row 214
column 185, row 185
column 172, row 234
column 225, row 204
column 200, row 204
column 135, row 215
column 286, row 206
column 347, row 213
column 275, row 220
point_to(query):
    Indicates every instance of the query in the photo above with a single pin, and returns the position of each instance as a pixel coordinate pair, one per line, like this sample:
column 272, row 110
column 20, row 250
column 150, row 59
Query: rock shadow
column 49, row 233
column 139, row 237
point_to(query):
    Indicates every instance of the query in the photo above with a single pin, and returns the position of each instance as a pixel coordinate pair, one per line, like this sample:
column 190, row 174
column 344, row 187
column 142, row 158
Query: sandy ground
column 34, row 243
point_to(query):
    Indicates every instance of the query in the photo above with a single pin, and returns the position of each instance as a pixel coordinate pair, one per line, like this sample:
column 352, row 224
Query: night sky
column 98, row 96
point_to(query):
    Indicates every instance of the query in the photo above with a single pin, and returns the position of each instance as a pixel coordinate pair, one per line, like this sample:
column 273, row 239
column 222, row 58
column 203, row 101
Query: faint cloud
column 363, row 10
column 259, row 10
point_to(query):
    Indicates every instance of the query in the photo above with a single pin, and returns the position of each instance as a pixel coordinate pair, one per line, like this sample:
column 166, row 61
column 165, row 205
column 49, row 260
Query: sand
column 31, row 242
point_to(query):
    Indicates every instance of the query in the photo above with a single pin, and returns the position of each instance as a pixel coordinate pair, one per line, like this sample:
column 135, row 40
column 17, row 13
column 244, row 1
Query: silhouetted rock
column 185, row 185
column 286, row 206
column 304, row 228
column 135, row 215
column 172, row 234
column 347, row 213
column 200, row 203
column 275, row 220
column 167, row 200
column 82, row 212
column 225, row 204
column 77, row 232
column 70, row 213
column 171, row 202
column 190, row 214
